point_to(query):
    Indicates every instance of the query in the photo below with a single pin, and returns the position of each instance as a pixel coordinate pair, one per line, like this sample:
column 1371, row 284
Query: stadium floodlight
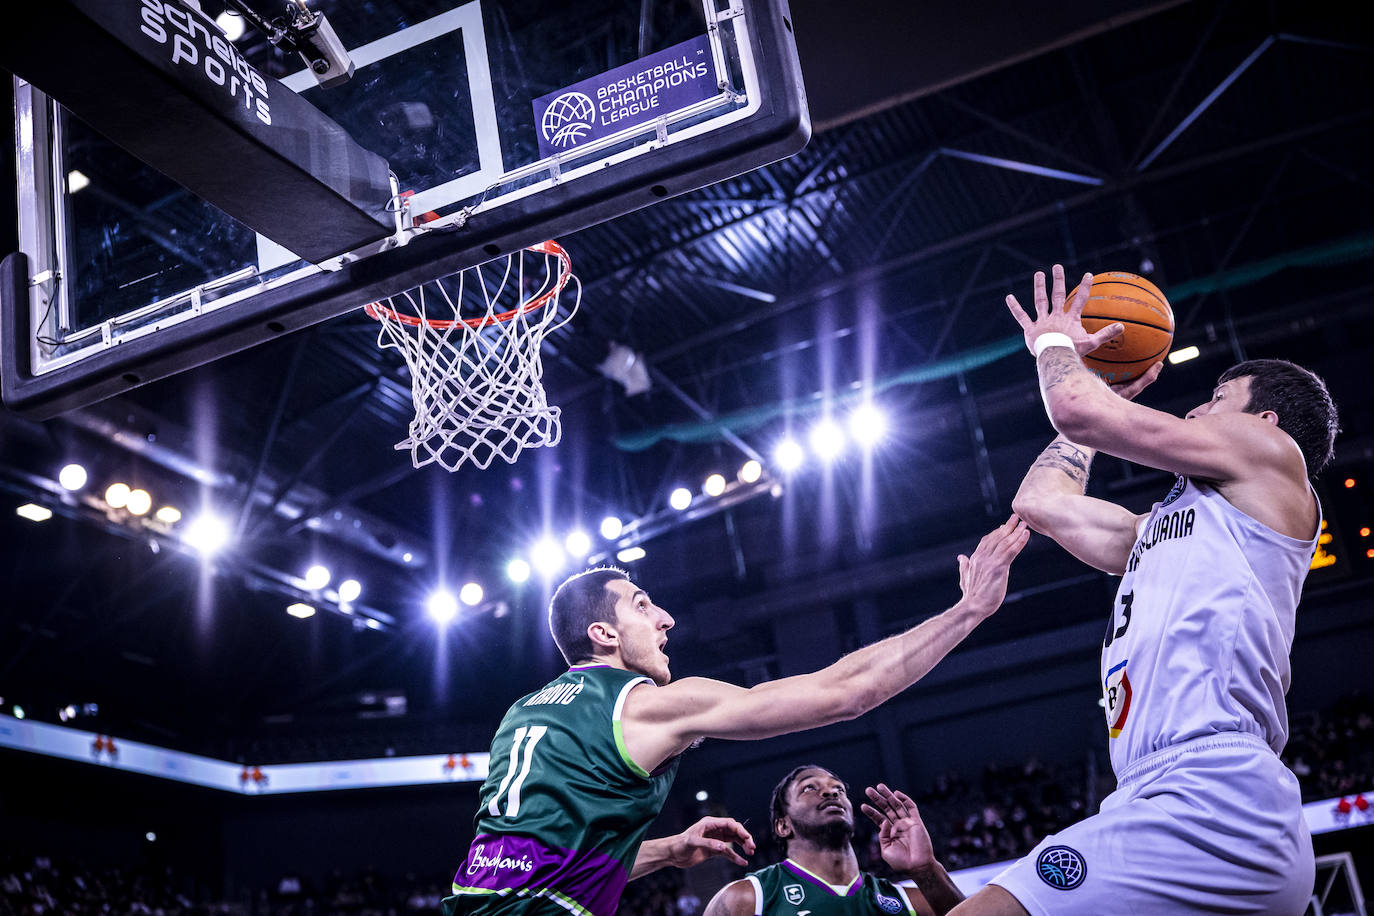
column 517, row 570
column 350, row 590
column 231, row 24
column 611, row 527
column 630, row 554
column 139, row 502
column 72, row 477
column 788, row 455
column 470, row 594
column 546, row 556
column 750, row 471
column 117, row 495
column 1183, row 354
column 680, row 498
column 578, row 544
column 442, row 606
column 300, row 610
column 207, row 534
column 826, row 439
column 34, row 512
column 168, row 515
column 702, row 795
column 317, row 577
column 77, row 180
column 714, row 486
column 867, row 424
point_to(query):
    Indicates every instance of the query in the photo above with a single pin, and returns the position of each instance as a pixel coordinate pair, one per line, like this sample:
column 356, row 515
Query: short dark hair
column 777, row 806
column 579, row 602
column 1299, row 397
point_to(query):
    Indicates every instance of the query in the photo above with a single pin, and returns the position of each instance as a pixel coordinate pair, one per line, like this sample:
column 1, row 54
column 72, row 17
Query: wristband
column 1051, row 339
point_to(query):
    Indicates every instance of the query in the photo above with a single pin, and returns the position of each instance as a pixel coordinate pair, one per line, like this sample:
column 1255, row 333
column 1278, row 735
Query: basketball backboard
column 503, row 122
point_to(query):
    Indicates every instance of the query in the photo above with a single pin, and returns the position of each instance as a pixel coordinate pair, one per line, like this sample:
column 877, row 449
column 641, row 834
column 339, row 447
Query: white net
column 472, row 342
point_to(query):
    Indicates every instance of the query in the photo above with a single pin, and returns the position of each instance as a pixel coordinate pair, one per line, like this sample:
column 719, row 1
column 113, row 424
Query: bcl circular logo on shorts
column 1061, row 868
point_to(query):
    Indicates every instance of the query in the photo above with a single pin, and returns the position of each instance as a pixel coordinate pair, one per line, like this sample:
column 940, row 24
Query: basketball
column 1139, row 305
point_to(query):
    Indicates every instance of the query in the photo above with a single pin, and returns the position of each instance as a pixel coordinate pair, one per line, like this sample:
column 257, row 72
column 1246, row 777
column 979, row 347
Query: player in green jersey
column 813, row 820
column 580, row 767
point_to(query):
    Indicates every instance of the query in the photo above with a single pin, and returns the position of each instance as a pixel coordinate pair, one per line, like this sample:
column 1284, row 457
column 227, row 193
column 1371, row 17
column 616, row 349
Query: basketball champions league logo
column 568, row 119
column 632, row 94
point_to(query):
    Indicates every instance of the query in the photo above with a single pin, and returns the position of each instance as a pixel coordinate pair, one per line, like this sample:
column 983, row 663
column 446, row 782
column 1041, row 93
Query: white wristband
column 1051, row 339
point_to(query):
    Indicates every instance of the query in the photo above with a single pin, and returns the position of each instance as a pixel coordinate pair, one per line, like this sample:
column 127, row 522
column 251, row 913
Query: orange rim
column 378, row 311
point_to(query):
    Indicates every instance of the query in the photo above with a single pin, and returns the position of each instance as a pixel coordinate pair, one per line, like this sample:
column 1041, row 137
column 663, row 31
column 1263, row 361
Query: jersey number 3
column 510, row 786
column 1113, row 631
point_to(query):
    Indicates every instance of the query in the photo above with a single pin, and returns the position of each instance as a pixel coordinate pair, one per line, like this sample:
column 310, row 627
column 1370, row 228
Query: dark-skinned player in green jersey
column 581, row 767
column 812, row 817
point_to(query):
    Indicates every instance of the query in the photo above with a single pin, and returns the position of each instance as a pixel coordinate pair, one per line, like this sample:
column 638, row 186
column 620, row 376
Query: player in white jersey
column 1205, row 818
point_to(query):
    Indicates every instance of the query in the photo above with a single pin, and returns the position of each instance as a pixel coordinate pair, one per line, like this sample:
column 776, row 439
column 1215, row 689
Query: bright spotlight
column 578, row 544
column 72, row 477
column 168, row 515
column 517, row 570
column 611, row 527
column 317, row 577
column 77, row 180
column 680, row 498
column 231, row 23
column 19, row 712
column 630, row 554
column 546, row 556
column 300, row 610
column 789, row 455
column 867, row 424
column 827, row 440
column 117, row 495
column 34, row 512
column 207, row 534
column 442, row 606
column 1183, row 355
column 470, row 594
column 750, row 471
column 702, row 795
column 150, row 837
column 349, row 590
column 139, row 502
column 714, row 486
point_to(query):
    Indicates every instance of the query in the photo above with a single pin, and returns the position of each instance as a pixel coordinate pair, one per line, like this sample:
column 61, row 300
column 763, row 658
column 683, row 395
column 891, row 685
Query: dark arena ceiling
column 1222, row 149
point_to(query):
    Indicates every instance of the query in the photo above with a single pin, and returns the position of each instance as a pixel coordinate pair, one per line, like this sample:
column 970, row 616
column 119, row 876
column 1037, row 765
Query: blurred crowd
column 1333, row 751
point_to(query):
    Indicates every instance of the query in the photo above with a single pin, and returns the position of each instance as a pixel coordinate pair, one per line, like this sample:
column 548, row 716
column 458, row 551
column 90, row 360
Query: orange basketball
column 1141, row 307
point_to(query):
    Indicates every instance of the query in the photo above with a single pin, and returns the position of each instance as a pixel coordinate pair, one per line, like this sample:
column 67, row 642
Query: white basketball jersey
column 1199, row 638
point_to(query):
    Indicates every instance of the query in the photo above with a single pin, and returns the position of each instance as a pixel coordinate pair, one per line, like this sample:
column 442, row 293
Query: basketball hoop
column 477, row 379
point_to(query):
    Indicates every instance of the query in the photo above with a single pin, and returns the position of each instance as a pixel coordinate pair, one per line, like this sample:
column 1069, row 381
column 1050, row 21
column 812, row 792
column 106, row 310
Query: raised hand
column 902, row 837
column 1129, row 390
column 1054, row 315
column 708, row 838
column 983, row 576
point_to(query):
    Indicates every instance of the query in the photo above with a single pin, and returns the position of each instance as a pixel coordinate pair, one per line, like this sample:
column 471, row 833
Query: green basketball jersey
column 787, row 889
column 564, row 809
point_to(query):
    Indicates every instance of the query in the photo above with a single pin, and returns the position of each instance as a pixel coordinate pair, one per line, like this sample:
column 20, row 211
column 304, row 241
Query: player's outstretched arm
column 659, row 722
column 1215, row 447
column 734, row 899
column 1052, row 501
column 906, row 847
column 708, row 838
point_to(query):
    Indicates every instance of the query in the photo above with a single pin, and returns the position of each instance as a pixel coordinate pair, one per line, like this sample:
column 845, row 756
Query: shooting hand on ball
column 1055, row 316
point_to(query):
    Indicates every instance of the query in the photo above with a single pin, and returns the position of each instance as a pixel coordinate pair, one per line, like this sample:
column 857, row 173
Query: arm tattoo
column 1073, row 460
column 1056, row 365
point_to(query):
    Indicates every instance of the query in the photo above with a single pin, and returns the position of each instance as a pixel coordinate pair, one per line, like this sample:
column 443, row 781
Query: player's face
column 643, row 629
column 1229, row 397
column 817, row 799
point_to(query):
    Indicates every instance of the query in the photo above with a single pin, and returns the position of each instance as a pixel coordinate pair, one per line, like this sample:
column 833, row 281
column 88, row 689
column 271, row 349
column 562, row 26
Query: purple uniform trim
column 499, row 862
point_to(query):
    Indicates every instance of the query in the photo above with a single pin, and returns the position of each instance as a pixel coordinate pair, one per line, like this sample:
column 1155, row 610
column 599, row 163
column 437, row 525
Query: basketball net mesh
column 472, row 343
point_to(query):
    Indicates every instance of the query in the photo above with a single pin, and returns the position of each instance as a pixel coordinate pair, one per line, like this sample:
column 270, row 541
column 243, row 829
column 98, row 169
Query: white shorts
column 1213, row 825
